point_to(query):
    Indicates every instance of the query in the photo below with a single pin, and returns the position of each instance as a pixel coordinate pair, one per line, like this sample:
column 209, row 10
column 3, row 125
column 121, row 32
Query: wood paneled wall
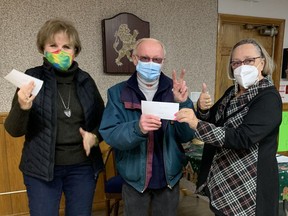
column 13, row 197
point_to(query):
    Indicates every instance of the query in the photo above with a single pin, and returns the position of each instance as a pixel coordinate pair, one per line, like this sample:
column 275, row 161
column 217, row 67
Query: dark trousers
column 75, row 181
column 159, row 202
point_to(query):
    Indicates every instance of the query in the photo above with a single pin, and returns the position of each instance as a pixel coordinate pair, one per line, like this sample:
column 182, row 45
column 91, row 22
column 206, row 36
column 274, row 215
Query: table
column 194, row 156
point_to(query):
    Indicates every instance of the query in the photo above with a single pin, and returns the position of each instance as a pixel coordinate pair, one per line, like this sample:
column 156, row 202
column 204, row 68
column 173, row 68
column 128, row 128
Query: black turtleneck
column 69, row 147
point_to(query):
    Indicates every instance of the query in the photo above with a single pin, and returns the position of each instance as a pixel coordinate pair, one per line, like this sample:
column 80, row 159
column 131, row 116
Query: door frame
column 278, row 51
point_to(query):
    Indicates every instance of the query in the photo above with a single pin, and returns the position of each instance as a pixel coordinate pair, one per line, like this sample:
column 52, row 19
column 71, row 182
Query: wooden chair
column 112, row 181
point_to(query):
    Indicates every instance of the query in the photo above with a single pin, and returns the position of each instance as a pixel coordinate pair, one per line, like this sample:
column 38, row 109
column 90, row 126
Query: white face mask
column 246, row 75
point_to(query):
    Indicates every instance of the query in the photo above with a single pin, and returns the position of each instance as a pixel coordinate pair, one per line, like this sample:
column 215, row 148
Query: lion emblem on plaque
column 128, row 41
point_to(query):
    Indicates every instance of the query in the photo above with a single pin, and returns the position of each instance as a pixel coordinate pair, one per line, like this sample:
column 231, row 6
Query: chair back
column 112, row 181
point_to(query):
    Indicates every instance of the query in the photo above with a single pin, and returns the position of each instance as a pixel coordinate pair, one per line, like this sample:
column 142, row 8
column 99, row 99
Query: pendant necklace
column 67, row 110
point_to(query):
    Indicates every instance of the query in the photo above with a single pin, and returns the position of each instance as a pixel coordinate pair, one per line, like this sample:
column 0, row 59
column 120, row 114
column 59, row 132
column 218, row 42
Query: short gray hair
column 147, row 39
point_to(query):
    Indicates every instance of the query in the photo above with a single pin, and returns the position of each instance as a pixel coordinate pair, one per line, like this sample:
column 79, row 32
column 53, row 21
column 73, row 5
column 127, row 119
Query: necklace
column 67, row 110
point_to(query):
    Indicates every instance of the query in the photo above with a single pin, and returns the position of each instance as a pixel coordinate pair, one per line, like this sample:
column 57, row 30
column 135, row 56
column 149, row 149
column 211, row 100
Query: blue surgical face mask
column 149, row 71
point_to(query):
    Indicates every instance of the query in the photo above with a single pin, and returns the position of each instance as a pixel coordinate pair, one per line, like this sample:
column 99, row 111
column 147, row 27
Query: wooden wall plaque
column 119, row 35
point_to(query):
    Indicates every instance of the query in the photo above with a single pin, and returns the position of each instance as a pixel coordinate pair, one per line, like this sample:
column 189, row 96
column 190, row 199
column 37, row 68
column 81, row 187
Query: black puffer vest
column 39, row 147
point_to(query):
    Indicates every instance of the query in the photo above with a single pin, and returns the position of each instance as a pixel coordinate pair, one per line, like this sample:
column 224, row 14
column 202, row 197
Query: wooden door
column 233, row 28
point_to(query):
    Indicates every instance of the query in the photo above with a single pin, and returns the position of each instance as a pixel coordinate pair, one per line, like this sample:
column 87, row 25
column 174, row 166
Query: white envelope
column 18, row 79
column 164, row 110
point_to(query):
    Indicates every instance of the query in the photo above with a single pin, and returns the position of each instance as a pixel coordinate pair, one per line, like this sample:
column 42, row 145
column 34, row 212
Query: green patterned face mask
column 59, row 59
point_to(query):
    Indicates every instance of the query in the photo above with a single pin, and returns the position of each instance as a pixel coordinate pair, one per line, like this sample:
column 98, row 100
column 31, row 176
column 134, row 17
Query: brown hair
column 54, row 26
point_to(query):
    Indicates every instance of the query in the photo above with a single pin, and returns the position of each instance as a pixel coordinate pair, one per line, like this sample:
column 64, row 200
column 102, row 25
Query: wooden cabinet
column 13, row 197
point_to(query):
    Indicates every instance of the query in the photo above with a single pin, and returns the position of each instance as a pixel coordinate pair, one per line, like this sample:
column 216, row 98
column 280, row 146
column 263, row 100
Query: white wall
column 258, row 8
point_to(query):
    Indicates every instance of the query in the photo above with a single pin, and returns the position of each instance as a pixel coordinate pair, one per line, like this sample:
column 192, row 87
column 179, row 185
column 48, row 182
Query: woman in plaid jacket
column 239, row 171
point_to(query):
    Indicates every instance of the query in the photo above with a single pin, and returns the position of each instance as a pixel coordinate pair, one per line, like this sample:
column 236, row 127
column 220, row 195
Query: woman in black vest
column 60, row 124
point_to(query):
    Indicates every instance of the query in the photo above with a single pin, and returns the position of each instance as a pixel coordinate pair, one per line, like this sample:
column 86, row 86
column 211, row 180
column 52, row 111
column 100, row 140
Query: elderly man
column 149, row 154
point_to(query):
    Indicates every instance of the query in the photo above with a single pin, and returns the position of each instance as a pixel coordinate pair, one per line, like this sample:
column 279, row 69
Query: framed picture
column 285, row 64
column 119, row 35
column 283, row 87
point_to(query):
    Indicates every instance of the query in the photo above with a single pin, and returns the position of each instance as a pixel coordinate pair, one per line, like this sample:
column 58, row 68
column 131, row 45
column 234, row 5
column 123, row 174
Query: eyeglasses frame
column 243, row 62
column 148, row 59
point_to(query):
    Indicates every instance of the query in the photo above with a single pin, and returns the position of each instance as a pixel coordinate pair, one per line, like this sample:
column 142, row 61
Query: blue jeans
column 77, row 182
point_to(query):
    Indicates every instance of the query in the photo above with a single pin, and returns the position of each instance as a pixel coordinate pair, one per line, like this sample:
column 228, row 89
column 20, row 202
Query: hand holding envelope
column 153, row 112
column 187, row 115
column 163, row 110
column 149, row 123
column 29, row 87
column 25, row 96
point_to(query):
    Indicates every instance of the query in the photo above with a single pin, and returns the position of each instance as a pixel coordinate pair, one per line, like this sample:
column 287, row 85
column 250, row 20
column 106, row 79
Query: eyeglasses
column 248, row 61
column 148, row 59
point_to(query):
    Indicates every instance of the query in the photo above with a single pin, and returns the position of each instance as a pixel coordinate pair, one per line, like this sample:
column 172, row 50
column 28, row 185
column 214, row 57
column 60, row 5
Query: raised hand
column 204, row 101
column 180, row 89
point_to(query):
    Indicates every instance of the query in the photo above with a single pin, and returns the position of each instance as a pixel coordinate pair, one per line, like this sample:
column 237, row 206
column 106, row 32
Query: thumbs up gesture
column 204, row 101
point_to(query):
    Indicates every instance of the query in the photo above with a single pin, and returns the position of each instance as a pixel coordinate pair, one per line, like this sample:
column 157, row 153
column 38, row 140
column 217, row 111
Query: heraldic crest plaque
column 120, row 34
